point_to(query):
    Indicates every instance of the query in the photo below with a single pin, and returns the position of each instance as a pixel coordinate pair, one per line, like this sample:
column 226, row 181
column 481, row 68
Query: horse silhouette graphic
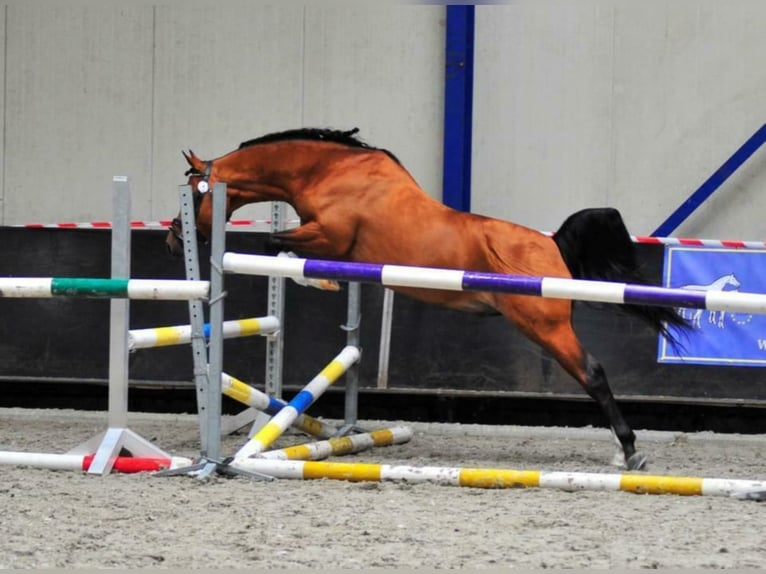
column 724, row 283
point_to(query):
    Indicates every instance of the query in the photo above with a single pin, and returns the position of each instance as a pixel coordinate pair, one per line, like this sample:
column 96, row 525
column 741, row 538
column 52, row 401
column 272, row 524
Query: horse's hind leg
column 598, row 388
column 550, row 326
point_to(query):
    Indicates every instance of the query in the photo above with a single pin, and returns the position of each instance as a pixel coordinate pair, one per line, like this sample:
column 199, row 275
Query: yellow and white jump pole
column 338, row 446
column 182, row 334
column 272, row 430
column 252, row 397
column 504, row 478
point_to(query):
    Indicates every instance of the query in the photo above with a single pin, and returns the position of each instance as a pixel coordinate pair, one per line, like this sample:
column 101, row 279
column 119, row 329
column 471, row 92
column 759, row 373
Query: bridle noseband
column 203, row 186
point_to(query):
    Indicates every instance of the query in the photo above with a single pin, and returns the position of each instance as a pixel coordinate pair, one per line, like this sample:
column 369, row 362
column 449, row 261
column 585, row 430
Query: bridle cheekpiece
column 203, row 186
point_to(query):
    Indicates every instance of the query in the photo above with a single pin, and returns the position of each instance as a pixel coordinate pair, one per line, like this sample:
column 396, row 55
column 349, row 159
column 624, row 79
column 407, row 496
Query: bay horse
column 358, row 203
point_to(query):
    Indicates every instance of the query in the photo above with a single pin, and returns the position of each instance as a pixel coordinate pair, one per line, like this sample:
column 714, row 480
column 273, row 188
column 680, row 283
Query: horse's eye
column 202, row 187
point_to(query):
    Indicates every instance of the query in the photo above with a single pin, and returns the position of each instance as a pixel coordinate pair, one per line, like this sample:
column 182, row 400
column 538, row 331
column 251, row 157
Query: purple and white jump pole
column 459, row 280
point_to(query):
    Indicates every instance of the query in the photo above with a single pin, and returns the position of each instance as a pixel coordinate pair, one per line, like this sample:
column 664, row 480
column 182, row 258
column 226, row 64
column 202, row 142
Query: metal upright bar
column 384, row 356
column 353, row 338
column 119, row 308
column 217, row 295
column 196, row 314
column 107, row 446
column 275, row 307
column 210, row 461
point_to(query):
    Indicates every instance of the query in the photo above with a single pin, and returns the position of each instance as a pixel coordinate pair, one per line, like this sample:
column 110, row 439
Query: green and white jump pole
column 115, row 288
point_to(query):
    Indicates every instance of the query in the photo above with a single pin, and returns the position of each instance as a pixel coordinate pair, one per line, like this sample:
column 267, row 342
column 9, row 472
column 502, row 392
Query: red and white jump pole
column 123, row 464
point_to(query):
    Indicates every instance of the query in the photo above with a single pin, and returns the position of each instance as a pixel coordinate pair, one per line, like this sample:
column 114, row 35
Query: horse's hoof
column 323, row 284
column 273, row 246
column 637, row 461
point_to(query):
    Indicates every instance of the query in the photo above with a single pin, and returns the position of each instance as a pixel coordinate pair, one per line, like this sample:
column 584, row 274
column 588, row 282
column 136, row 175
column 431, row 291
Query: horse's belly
column 477, row 303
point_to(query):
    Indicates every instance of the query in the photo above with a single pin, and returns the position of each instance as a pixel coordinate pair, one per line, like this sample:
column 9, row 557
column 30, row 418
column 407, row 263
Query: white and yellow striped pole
column 252, row 397
column 272, row 430
column 341, row 445
column 505, row 478
column 181, row 334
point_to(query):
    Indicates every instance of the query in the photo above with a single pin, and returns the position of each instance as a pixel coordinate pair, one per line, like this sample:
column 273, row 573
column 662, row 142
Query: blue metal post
column 458, row 107
column 712, row 183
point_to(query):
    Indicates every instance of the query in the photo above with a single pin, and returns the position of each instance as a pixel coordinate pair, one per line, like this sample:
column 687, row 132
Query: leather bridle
column 203, row 186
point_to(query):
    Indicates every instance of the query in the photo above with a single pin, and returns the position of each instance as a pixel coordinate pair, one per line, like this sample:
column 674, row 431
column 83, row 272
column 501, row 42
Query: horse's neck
column 267, row 172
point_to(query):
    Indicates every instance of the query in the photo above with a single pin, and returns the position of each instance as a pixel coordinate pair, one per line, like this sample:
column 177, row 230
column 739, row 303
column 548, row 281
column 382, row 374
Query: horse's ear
column 194, row 162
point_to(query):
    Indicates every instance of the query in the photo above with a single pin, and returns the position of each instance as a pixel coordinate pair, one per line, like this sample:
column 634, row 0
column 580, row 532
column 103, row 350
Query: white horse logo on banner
column 724, row 283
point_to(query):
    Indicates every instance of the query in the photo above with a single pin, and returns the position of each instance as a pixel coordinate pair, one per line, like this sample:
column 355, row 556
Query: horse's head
column 732, row 281
column 201, row 181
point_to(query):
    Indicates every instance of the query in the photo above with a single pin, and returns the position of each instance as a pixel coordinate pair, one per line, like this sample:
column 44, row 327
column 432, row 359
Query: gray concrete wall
column 576, row 103
column 78, row 103
column 94, row 90
column 628, row 104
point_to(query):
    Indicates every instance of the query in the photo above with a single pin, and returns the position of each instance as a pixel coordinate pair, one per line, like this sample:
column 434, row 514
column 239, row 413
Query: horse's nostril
column 172, row 249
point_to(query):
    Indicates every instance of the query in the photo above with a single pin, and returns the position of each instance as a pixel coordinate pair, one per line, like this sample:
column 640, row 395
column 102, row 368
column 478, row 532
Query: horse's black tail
column 596, row 245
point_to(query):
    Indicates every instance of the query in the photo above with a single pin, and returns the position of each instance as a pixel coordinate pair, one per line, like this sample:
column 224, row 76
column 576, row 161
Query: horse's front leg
column 310, row 238
column 306, row 239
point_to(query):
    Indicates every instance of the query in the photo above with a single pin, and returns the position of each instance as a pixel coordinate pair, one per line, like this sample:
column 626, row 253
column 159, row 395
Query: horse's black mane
column 316, row 134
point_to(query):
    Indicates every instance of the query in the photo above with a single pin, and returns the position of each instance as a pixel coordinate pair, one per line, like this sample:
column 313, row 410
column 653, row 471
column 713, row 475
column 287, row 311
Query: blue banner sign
column 717, row 337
